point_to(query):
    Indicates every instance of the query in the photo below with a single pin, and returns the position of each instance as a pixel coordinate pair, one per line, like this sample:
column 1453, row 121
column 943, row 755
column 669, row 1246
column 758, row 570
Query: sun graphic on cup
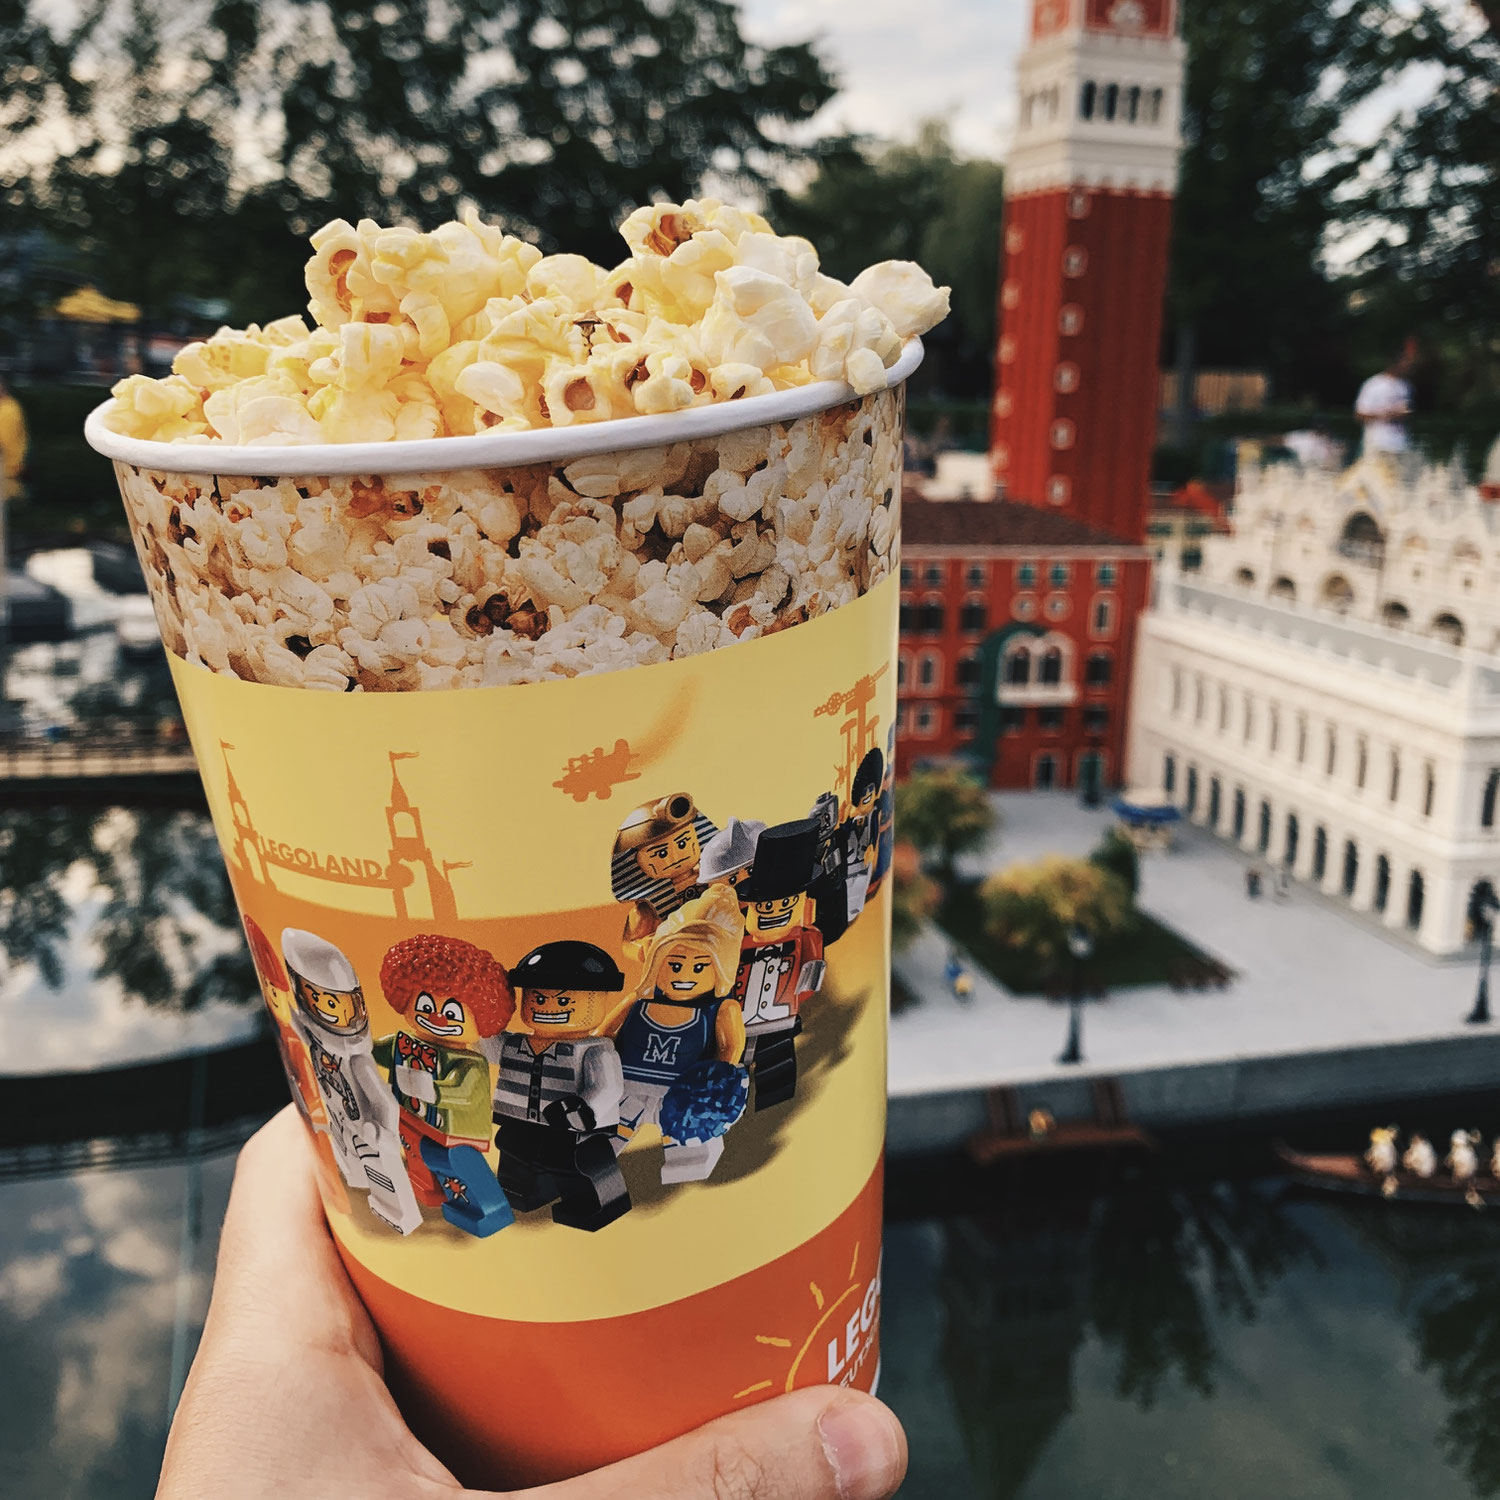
column 852, row 1317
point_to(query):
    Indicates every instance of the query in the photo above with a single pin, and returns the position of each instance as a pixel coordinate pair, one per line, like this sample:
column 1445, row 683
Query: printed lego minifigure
column 276, row 989
column 829, row 889
column 781, row 956
column 362, row 1114
column 885, row 818
column 1419, row 1157
column 454, row 996
column 729, row 854
column 557, row 1094
column 858, row 831
column 654, row 866
column 686, row 1016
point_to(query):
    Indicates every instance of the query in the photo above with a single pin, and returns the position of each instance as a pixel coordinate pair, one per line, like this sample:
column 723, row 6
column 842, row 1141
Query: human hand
column 285, row 1399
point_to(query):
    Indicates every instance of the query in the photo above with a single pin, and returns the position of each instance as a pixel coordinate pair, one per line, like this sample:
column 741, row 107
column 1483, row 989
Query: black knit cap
column 568, row 965
column 786, row 859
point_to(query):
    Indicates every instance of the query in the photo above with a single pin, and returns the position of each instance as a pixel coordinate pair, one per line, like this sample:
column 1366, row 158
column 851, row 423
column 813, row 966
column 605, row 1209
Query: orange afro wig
column 447, row 968
column 264, row 956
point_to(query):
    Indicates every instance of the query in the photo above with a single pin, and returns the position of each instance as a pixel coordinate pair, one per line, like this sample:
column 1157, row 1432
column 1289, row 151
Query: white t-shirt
column 1383, row 393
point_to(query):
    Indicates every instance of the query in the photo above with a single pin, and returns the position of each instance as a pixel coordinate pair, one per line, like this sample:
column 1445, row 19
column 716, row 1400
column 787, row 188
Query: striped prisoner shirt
column 529, row 1081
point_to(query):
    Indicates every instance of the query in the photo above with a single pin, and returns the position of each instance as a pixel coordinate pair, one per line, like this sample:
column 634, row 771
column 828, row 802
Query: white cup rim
column 493, row 450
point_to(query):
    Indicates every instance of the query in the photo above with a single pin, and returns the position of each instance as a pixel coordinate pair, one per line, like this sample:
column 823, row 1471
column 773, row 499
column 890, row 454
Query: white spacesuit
column 362, row 1112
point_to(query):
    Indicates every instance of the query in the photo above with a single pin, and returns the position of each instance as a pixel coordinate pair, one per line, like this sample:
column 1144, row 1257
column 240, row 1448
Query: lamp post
column 1080, row 945
column 1484, row 918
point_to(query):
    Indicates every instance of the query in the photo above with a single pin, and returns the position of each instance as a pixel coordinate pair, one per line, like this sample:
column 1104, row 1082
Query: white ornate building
column 1327, row 690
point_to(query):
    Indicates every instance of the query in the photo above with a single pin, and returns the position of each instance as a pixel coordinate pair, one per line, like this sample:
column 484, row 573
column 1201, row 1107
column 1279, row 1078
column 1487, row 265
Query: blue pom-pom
column 704, row 1102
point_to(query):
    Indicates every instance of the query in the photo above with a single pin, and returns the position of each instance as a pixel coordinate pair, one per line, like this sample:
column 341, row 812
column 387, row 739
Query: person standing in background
column 1383, row 405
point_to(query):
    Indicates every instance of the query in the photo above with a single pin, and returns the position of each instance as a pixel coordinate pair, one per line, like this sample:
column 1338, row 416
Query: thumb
column 821, row 1444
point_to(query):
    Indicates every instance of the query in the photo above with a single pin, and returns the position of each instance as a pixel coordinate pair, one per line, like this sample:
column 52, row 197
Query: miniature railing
column 95, row 755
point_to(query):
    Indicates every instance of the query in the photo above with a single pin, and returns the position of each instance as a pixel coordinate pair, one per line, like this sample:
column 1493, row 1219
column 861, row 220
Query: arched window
column 1238, row 825
column 1049, row 670
column 973, row 617
column 1285, row 589
column 927, row 669
column 1245, row 577
column 967, row 672
column 1133, row 103
column 1263, row 832
column 1169, row 773
column 901, row 670
column 1153, row 107
column 1018, row 665
column 1192, row 789
column 1362, row 540
column 1320, row 853
column 1395, row 774
column 1429, row 789
column 1448, row 627
column 1394, row 615
column 1111, row 100
column 1351, row 866
column 1416, row 896
column 1087, row 99
column 1215, row 791
column 1487, row 805
column 1337, row 594
column 1099, row 669
column 1382, row 895
column 930, row 618
column 1293, row 834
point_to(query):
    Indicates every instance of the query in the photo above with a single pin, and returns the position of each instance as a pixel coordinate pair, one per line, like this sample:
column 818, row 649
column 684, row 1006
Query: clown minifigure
column 686, row 1016
column 781, row 957
column 362, row 1115
column 557, row 1094
column 453, row 997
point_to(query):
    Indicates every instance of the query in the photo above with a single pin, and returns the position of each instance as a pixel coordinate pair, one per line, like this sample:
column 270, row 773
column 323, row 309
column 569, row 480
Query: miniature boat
column 1348, row 1173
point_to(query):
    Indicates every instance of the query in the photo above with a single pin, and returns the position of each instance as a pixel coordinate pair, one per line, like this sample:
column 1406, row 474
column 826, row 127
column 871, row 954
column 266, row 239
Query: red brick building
column 1017, row 642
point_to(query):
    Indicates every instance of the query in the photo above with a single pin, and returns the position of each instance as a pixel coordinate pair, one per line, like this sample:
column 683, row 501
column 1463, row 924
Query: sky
column 959, row 65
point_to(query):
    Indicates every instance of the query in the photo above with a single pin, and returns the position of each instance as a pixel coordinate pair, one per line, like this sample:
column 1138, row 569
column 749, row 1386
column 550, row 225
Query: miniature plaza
column 1322, row 1000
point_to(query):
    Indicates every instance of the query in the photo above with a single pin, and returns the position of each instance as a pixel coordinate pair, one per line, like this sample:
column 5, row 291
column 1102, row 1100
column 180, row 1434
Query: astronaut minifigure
column 453, row 997
column 557, row 1093
column 781, row 956
column 362, row 1113
column 685, row 1015
column 654, row 866
column 859, row 832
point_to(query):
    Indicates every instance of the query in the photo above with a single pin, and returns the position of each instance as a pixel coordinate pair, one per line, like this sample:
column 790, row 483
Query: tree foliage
column 1116, row 852
column 208, row 140
column 918, row 201
column 944, row 814
column 914, row 895
column 1031, row 907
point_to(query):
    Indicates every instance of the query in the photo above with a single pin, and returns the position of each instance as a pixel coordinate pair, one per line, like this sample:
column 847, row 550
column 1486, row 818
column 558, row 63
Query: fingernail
column 863, row 1448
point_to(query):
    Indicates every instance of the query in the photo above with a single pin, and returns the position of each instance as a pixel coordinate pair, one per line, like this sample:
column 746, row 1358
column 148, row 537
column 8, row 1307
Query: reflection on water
column 90, row 682
column 1174, row 1339
column 118, row 938
column 96, row 1279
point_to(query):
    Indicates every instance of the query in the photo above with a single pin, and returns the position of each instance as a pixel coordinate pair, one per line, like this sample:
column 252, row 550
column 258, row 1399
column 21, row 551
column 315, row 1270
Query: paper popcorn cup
column 567, row 891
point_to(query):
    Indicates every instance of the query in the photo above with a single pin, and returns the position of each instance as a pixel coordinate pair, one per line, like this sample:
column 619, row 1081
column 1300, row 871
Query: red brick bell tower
column 1089, row 186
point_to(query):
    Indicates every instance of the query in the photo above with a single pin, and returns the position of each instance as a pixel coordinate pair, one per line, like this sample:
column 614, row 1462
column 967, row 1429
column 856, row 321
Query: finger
column 822, row 1444
column 279, row 1278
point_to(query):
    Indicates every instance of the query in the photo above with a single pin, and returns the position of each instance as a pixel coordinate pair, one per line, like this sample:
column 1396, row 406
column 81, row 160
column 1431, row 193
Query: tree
column 1269, row 86
column 914, row 896
column 871, row 201
column 207, row 149
column 1118, row 854
column 1031, row 907
column 944, row 814
column 1428, row 200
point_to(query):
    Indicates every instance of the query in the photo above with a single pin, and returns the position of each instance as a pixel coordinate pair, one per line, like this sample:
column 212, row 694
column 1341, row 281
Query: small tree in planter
column 943, row 814
column 1030, row 908
column 1117, row 854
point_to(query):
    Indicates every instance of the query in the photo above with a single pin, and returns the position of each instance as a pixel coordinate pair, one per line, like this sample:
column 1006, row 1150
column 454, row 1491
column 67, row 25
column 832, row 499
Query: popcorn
column 467, row 329
column 472, row 578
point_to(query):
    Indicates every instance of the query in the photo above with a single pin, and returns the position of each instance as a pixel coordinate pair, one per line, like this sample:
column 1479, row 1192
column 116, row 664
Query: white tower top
column 1100, row 98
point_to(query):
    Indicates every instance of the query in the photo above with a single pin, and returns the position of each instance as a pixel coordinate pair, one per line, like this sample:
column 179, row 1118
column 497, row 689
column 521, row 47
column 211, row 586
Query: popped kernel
column 467, row 329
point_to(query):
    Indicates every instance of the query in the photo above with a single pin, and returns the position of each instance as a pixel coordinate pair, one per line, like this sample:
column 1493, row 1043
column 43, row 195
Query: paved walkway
column 1309, row 976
